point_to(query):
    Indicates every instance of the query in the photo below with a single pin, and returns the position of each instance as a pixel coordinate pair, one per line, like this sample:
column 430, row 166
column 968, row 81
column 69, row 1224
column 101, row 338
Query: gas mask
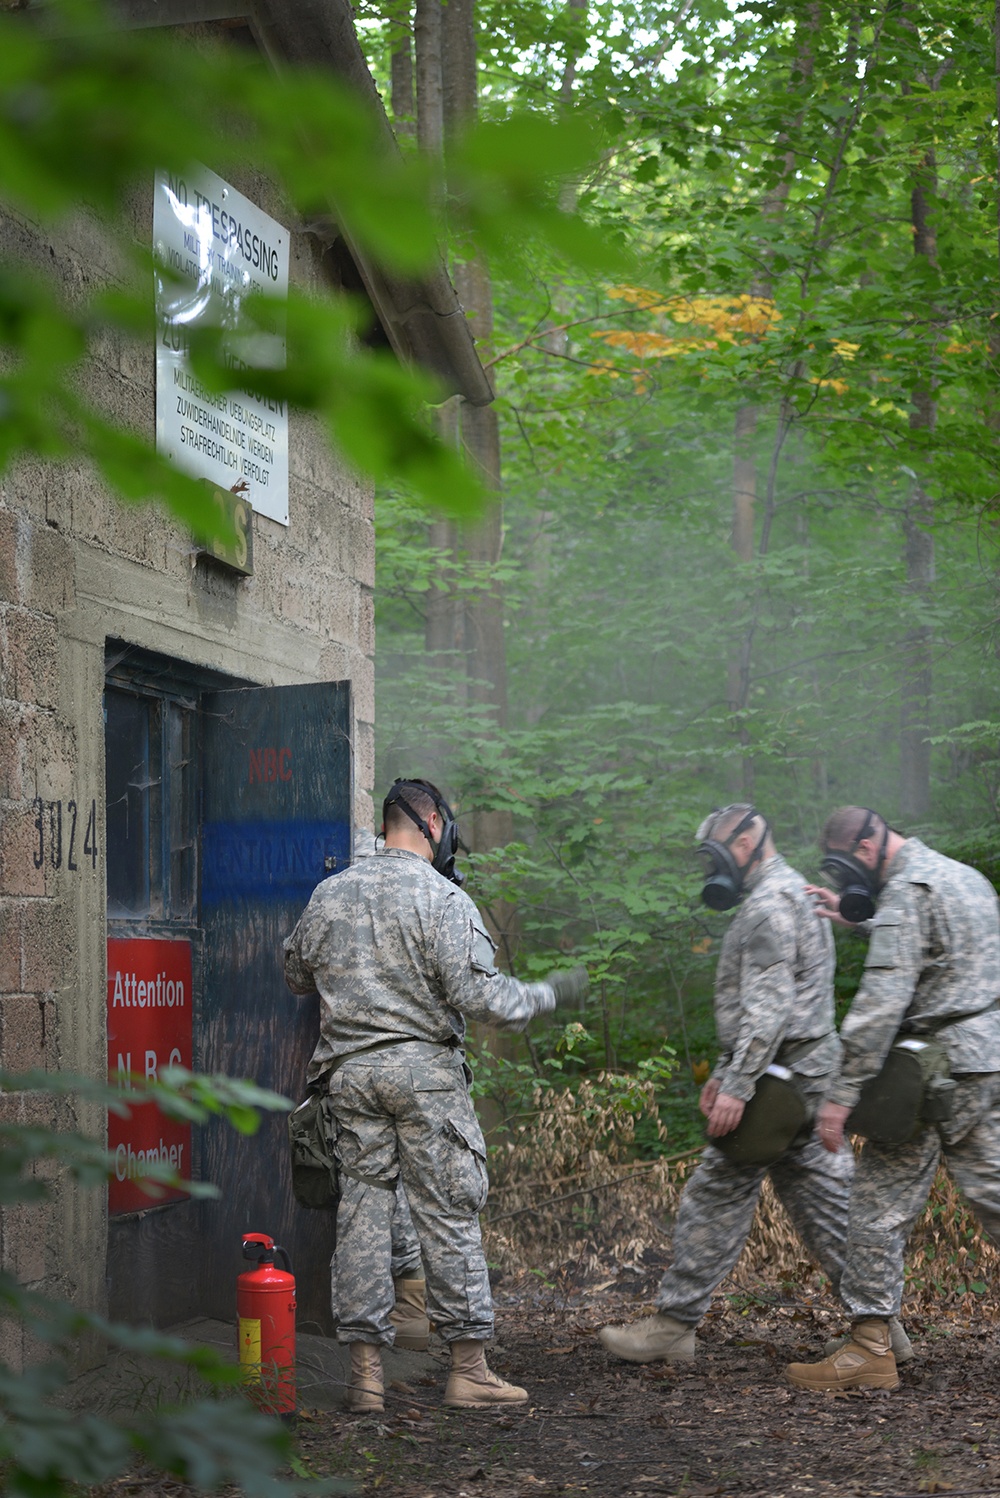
column 445, row 850
column 723, row 887
column 858, row 886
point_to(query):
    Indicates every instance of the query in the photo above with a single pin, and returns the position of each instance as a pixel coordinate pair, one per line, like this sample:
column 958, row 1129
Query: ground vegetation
column 726, row 1424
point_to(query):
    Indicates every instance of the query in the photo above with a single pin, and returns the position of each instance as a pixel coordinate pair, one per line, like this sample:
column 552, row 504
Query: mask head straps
column 445, row 849
column 868, row 830
column 724, row 885
column 858, row 884
column 742, row 826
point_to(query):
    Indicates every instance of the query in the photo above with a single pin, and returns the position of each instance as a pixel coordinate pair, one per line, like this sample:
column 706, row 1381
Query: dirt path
column 726, row 1424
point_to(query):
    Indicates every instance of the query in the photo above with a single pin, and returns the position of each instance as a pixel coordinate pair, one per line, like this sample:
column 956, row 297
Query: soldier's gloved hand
column 569, row 985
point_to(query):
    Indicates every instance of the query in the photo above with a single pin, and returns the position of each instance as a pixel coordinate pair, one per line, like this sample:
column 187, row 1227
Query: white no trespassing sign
column 214, row 248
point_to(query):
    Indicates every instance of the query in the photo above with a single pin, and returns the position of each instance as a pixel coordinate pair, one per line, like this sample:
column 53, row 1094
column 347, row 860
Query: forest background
column 743, row 541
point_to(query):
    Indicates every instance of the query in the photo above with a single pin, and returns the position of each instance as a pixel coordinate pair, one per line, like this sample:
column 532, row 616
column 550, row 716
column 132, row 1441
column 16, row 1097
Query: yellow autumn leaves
column 714, row 321
column 724, row 319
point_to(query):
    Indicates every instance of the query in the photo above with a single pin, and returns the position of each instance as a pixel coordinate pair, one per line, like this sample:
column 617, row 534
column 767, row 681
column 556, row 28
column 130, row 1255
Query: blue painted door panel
column 276, row 819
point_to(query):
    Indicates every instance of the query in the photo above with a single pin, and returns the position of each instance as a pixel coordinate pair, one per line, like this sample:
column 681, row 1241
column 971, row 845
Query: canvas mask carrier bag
column 776, row 1118
column 312, row 1129
column 310, row 1143
column 913, row 1091
column 772, row 1121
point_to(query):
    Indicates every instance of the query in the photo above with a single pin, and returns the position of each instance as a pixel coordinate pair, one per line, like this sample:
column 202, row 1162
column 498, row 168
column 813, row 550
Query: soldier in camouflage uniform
column 773, row 1004
column 934, row 963
column 400, row 958
column 412, row 1329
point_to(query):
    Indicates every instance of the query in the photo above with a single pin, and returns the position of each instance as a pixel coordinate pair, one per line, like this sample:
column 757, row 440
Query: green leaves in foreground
column 47, row 1450
column 371, row 405
column 47, row 1446
column 89, row 112
column 178, row 1093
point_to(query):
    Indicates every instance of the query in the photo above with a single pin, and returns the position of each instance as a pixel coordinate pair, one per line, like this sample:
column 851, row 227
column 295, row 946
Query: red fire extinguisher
column 265, row 1305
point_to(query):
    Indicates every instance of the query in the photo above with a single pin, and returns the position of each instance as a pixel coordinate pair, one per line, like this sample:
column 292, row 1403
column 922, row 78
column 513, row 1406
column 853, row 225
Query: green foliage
column 88, row 113
column 512, row 1086
column 46, row 1448
column 537, row 1111
column 179, row 1094
column 759, row 168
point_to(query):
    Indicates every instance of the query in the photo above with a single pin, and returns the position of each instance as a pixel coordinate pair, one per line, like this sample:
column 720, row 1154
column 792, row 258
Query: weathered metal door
column 276, row 819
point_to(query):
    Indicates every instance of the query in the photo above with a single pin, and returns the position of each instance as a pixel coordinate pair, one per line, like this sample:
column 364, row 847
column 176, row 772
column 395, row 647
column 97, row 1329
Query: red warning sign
column 149, row 1027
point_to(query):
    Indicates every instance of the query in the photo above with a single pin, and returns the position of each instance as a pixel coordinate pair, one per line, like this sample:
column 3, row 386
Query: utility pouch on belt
column 772, row 1121
column 310, row 1141
column 311, row 1132
column 913, row 1090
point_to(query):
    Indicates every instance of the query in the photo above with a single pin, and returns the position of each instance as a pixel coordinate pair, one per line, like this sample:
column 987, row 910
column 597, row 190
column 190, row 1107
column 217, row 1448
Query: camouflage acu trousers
column 405, row 1261
column 893, row 1182
column 404, row 1115
column 716, row 1214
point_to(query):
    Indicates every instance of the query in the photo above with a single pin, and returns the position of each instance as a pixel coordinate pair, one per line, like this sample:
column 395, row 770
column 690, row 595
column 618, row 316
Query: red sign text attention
column 149, row 1026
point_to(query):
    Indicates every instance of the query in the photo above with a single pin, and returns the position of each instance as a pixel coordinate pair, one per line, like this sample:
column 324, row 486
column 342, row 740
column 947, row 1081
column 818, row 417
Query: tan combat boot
column 365, row 1386
column 471, row 1385
column 902, row 1348
column 409, row 1316
column 655, row 1337
column 865, row 1362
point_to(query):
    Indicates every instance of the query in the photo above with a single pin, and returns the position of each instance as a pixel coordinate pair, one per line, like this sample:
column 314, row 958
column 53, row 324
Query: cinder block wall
column 77, row 568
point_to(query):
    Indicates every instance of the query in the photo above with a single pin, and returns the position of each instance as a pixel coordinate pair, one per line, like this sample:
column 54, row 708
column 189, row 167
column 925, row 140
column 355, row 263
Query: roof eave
column 422, row 317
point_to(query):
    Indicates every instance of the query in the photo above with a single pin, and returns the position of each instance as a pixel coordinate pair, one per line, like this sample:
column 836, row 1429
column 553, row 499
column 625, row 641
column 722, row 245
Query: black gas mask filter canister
column 857, row 885
column 444, row 850
column 723, row 887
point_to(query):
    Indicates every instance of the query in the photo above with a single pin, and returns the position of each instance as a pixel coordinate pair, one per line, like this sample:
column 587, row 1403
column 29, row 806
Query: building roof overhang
column 422, row 318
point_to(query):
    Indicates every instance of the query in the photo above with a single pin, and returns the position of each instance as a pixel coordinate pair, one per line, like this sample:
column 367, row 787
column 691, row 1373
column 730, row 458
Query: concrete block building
column 186, row 749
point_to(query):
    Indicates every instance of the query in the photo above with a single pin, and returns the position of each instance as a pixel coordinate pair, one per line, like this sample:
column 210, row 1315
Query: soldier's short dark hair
column 720, row 823
column 421, row 795
column 845, row 826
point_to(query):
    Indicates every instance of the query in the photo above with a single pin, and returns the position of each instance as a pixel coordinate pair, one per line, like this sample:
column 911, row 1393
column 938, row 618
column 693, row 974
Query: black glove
column 569, row 985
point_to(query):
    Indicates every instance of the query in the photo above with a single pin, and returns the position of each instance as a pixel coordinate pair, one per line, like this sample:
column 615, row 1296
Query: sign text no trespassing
column 213, row 249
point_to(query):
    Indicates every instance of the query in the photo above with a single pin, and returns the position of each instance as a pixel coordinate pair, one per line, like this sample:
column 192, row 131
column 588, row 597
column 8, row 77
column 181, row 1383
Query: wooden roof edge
column 422, row 316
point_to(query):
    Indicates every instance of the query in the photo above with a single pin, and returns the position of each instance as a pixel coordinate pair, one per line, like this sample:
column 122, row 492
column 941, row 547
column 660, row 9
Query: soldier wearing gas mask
column 926, row 1006
column 400, row 958
column 778, row 1051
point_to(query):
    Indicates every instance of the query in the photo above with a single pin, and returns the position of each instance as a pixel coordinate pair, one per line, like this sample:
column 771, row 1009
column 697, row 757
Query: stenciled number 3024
column 60, row 830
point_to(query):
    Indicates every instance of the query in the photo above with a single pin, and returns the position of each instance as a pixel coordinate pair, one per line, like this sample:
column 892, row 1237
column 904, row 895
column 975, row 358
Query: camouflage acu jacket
column 396, row 951
column 934, row 952
column 774, row 984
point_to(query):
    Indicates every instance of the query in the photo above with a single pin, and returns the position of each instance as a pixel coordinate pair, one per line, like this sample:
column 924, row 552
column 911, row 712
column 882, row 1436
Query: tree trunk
column 916, row 679
column 577, row 9
column 994, row 333
column 741, row 776
column 401, row 97
column 443, row 624
column 458, row 53
column 994, row 327
column 430, row 89
column 916, row 673
column 996, row 68
column 481, row 542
